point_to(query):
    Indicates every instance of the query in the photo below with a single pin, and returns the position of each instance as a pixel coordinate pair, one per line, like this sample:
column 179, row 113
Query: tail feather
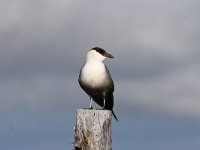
column 115, row 116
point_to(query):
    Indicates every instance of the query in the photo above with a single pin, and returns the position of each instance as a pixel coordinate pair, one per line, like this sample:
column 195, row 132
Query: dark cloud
column 43, row 44
column 149, row 40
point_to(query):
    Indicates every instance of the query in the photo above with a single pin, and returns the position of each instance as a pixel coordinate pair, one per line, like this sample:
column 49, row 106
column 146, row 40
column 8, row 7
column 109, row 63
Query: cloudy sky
column 43, row 44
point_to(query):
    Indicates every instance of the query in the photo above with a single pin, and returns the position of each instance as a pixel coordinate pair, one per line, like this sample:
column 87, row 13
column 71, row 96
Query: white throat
column 93, row 55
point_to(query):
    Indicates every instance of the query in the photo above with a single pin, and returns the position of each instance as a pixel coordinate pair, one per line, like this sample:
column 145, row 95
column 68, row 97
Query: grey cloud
column 148, row 39
column 174, row 93
column 43, row 44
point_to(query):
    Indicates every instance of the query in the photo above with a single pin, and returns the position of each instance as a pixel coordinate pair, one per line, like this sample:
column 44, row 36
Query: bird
column 96, row 81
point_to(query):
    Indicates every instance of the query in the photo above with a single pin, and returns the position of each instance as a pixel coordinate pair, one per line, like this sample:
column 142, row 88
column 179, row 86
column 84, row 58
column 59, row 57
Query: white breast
column 94, row 73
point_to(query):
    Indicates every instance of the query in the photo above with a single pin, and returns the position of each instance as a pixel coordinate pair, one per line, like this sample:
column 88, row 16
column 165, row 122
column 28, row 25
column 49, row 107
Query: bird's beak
column 108, row 55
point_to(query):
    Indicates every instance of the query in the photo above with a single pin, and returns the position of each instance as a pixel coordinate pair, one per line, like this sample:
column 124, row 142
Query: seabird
column 96, row 81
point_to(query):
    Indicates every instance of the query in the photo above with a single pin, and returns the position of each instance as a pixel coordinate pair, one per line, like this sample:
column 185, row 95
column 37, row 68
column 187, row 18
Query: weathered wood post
column 93, row 130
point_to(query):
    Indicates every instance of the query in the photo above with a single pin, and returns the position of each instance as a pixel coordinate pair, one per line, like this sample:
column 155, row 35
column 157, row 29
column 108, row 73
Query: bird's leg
column 104, row 100
column 90, row 102
column 104, row 103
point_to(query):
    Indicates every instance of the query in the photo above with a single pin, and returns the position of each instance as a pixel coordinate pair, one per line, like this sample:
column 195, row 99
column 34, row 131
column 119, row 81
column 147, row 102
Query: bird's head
column 98, row 54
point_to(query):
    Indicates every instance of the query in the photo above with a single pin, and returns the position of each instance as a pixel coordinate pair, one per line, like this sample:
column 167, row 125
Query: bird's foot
column 104, row 108
column 89, row 108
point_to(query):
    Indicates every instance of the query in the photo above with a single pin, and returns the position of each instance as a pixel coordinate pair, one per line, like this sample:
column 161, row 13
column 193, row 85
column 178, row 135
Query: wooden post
column 93, row 130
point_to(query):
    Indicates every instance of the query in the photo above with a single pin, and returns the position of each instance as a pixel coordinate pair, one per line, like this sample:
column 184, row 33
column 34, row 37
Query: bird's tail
column 115, row 116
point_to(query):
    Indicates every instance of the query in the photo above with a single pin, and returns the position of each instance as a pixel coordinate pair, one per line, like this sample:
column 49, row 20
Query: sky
column 43, row 45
